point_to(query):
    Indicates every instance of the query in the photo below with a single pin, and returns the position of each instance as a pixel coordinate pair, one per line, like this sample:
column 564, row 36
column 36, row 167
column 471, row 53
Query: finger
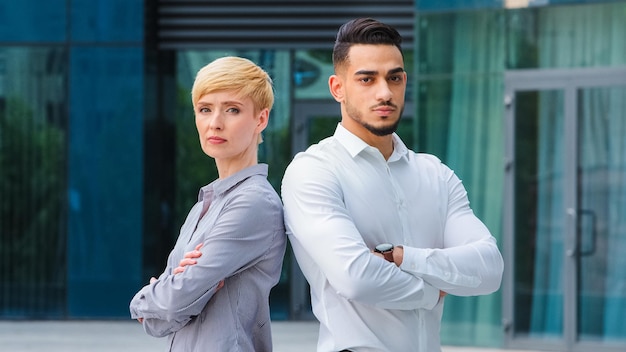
column 193, row 254
column 153, row 279
column 199, row 246
column 179, row 270
column 187, row 261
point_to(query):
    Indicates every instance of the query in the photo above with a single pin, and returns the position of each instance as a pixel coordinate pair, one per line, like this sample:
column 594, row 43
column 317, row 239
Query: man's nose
column 383, row 92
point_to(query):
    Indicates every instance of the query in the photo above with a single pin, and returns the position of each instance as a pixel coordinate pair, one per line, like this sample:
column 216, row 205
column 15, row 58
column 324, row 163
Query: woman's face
column 228, row 126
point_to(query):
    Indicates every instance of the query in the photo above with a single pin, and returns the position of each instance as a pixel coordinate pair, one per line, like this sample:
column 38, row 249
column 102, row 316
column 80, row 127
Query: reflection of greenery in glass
column 526, row 138
column 194, row 169
column 320, row 128
column 32, row 184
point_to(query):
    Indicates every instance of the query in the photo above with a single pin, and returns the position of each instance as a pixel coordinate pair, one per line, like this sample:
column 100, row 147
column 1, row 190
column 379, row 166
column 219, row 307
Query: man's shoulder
column 430, row 163
column 325, row 151
column 426, row 158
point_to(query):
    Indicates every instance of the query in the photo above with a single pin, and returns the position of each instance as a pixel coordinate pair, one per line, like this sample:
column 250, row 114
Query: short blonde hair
column 231, row 73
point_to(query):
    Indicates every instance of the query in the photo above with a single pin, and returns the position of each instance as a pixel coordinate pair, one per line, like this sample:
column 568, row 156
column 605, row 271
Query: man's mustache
column 385, row 103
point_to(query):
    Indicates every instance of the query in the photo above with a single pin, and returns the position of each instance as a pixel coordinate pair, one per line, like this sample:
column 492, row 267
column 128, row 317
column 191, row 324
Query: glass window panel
column 107, row 20
column 567, row 36
column 461, row 43
column 601, row 228
column 105, row 180
column 33, row 145
column 311, row 69
column 33, row 21
column 539, row 224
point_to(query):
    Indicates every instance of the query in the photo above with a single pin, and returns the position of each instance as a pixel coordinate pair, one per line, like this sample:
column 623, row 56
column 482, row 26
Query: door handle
column 592, row 218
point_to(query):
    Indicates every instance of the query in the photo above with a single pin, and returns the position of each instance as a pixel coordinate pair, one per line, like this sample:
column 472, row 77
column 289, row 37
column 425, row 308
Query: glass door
column 565, row 216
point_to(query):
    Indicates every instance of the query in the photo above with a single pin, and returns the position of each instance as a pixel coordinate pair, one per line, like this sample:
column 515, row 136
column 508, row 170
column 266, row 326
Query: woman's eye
column 204, row 110
column 233, row 110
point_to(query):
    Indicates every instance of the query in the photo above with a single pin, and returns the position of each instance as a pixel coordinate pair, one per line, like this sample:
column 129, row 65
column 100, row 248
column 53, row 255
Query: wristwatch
column 386, row 249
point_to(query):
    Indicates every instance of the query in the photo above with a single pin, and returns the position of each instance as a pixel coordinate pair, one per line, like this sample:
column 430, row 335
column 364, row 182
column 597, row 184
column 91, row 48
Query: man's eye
column 396, row 78
column 366, row 79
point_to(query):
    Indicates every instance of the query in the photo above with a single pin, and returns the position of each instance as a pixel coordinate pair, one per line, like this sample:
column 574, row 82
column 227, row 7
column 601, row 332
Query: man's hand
column 397, row 256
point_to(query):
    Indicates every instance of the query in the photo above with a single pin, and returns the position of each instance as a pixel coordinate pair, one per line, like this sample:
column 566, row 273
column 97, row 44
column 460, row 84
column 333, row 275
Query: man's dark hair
column 363, row 31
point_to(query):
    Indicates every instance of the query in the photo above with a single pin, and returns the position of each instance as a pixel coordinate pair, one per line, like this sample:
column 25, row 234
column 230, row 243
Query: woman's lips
column 216, row 140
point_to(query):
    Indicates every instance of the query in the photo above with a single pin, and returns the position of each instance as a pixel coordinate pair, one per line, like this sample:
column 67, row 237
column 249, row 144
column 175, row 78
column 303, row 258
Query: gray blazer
column 244, row 243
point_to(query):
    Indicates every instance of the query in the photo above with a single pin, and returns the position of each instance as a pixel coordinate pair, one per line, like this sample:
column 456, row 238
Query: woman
column 214, row 292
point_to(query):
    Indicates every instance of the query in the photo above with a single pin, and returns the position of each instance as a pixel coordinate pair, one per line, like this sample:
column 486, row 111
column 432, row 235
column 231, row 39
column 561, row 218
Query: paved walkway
column 128, row 336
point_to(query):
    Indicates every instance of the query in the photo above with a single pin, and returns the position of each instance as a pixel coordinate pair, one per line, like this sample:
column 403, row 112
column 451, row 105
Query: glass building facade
column 100, row 160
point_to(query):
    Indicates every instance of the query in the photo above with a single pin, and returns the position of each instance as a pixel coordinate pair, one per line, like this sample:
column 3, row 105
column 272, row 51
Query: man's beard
column 378, row 131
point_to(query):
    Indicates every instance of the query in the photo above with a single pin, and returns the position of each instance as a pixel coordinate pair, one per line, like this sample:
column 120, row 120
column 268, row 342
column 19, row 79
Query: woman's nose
column 215, row 121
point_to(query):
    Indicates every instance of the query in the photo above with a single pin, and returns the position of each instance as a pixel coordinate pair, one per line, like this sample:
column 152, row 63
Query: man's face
column 372, row 88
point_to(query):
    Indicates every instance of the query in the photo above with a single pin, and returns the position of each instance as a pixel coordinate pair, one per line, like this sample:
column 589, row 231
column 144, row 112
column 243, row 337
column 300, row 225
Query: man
column 361, row 189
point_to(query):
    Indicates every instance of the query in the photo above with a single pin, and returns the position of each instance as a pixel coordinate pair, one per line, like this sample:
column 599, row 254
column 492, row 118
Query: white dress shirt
column 341, row 199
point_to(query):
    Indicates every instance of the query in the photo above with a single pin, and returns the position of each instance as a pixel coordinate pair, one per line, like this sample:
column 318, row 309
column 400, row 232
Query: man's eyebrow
column 374, row 72
column 365, row 72
column 396, row 70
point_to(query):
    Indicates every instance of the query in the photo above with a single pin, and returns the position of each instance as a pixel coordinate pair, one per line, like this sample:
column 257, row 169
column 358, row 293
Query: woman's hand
column 189, row 259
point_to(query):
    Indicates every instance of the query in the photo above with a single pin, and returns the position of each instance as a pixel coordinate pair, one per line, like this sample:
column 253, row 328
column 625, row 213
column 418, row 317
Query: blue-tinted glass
column 33, row 146
column 32, row 20
column 460, row 5
column 455, row 5
column 107, row 20
column 105, row 180
column 566, row 36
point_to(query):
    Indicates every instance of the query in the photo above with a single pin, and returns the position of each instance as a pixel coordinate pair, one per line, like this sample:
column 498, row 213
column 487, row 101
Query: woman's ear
column 264, row 116
column 335, row 85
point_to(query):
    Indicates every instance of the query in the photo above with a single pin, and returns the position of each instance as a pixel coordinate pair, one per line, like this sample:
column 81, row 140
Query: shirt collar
column 355, row 145
column 220, row 186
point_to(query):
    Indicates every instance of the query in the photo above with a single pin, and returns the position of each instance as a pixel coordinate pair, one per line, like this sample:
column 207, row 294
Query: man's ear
column 335, row 85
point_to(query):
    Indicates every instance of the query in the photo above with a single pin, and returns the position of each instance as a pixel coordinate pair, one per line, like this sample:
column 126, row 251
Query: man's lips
column 384, row 110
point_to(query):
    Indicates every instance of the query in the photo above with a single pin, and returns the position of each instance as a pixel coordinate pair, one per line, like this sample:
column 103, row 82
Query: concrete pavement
column 128, row 336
